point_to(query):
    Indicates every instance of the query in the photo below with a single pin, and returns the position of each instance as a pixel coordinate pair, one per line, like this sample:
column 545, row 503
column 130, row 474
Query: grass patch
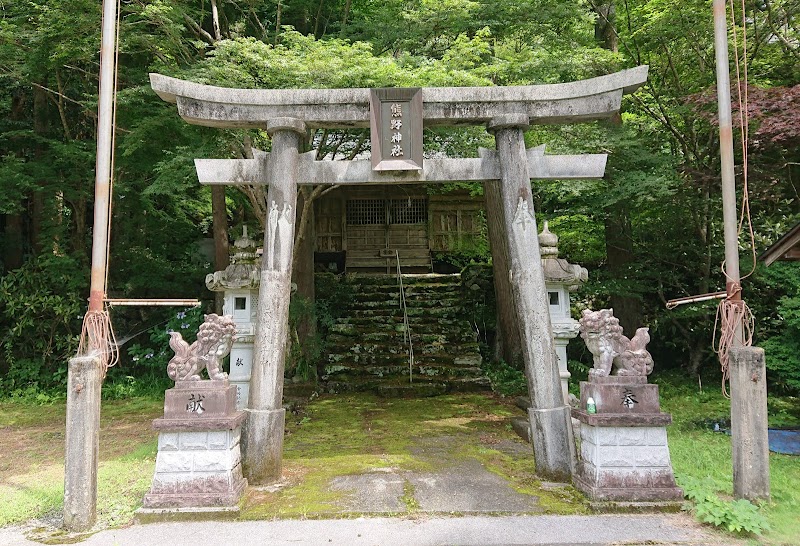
column 360, row 433
column 32, row 459
column 700, row 455
column 32, row 494
column 408, row 498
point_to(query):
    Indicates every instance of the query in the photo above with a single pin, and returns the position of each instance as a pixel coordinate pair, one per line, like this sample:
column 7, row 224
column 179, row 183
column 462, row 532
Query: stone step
column 401, row 359
column 418, row 370
column 373, row 322
column 453, row 350
column 394, row 303
column 414, row 389
column 359, row 280
column 366, row 350
column 442, row 336
column 445, row 311
column 414, row 290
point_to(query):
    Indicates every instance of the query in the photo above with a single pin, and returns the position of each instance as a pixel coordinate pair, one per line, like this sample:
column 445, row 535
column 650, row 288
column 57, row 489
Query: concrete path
column 477, row 530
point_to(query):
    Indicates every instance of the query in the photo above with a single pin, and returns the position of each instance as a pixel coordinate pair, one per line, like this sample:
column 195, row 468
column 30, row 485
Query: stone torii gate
column 506, row 112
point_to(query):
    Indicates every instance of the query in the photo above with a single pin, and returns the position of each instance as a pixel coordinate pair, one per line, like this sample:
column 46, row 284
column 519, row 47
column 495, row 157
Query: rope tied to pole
column 97, row 334
column 731, row 313
column 735, row 319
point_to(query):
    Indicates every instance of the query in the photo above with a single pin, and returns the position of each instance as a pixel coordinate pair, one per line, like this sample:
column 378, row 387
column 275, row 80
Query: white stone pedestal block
column 198, row 464
column 626, row 463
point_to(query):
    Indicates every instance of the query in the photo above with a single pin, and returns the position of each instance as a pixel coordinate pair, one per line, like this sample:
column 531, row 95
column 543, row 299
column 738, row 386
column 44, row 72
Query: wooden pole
column 86, row 372
column 749, row 438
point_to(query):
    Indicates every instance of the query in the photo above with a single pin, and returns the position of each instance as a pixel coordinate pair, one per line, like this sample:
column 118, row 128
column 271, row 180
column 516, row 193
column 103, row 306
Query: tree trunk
column 508, row 336
column 215, row 21
column 303, row 267
column 620, row 258
column 316, row 21
column 618, row 230
column 219, row 214
column 40, row 123
column 278, row 21
column 12, row 242
column 12, row 239
column 604, row 31
column 347, row 5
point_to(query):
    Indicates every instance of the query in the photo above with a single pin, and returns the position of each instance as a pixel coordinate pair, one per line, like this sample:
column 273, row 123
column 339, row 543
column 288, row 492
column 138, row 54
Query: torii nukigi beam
column 506, row 111
column 313, row 172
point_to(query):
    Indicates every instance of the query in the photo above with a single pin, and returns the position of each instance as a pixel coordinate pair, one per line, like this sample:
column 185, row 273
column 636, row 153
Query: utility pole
column 750, row 450
column 87, row 370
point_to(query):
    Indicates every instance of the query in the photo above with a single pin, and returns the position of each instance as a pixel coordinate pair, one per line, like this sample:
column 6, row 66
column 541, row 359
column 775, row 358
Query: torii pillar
column 551, row 430
column 264, row 428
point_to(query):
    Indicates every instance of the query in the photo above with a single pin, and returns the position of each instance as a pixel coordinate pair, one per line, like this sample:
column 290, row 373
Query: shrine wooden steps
column 366, row 350
column 417, row 260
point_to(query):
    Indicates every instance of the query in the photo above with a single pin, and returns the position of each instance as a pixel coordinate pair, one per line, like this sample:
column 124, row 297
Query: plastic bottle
column 591, row 407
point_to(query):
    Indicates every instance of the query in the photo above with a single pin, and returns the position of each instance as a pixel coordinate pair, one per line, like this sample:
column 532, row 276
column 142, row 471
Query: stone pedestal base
column 198, row 463
column 555, row 454
column 625, row 458
column 263, row 445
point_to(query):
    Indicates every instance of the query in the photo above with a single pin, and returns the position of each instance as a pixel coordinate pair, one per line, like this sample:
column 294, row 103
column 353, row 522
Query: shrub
column 41, row 310
column 736, row 516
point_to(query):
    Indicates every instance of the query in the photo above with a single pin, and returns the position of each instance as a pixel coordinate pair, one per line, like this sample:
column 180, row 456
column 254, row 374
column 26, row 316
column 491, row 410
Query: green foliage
column 782, row 343
column 735, row 516
column 148, row 360
column 307, row 342
column 40, row 317
column 505, row 379
column 660, row 181
column 305, row 353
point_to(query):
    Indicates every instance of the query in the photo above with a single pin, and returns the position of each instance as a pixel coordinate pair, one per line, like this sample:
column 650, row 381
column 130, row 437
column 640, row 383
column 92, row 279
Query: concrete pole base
column 749, row 436
column 84, row 380
column 553, row 450
column 262, row 445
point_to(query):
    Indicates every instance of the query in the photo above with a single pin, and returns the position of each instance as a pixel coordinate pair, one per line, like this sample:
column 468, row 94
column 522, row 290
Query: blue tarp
column 784, row 441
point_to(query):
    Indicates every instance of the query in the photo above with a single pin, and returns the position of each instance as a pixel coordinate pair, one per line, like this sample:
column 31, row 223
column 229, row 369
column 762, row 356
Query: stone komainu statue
column 214, row 340
column 609, row 347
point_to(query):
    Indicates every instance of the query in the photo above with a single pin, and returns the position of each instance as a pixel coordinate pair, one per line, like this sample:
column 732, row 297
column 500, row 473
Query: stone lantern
column 239, row 282
column 561, row 278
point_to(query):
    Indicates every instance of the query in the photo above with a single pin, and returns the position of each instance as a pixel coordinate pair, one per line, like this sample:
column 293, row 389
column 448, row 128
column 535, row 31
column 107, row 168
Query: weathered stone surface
column 610, row 348
column 217, row 423
column 622, row 419
column 84, row 378
column 368, row 349
column 208, row 105
column 623, row 463
column 313, row 171
column 262, row 445
column 200, row 400
column 621, row 397
column 214, row 339
column 749, row 423
column 168, row 441
column 198, row 468
column 550, row 426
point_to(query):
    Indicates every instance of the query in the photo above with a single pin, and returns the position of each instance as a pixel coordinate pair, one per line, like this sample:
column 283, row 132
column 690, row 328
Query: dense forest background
column 648, row 232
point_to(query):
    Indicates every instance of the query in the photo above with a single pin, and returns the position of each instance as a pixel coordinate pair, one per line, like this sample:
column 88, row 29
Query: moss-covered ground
column 360, row 433
column 349, row 435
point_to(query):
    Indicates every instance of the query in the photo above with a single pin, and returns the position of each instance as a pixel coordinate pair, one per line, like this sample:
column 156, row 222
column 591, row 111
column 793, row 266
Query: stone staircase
column 367, row 352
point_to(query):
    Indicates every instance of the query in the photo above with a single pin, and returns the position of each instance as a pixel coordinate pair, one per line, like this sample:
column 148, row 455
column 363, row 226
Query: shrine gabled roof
column 582, row 100
column 785, row 248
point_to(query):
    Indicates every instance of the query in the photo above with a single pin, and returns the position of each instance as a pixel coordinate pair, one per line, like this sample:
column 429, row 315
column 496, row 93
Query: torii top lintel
column 595, row 98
